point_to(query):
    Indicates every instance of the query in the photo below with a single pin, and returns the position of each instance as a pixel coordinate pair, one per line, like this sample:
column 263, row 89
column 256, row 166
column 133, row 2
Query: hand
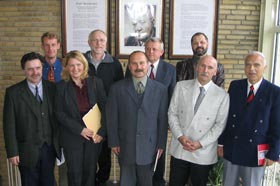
column 193, row 145
column 97, row 139
column 14, row 160
column 86, row 133
column 185, row 142
column 220, row 151
column 116, row 150
column 268, row 162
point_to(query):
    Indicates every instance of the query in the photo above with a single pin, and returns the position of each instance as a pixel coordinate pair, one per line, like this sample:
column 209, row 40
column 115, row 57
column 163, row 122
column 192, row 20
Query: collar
column 256, row 85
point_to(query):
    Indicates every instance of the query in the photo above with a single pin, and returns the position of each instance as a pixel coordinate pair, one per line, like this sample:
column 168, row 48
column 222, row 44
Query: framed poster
column 137, row 20
column 79, row 18
column 187, row 18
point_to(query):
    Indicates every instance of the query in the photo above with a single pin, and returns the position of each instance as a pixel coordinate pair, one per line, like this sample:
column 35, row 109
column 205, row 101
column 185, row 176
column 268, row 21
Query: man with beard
column 185, row 69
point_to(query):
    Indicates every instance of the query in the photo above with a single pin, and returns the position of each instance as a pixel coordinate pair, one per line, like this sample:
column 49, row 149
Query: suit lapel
column 160, row 75
column 72, row 95
column 91, row 92
column 27, row 96
column 131, row 90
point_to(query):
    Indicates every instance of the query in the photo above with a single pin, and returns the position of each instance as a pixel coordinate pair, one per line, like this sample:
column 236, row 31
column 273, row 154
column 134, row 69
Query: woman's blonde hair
column 75, row 54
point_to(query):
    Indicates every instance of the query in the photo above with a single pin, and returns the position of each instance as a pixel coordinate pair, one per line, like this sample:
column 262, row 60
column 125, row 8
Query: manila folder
column 93, row 119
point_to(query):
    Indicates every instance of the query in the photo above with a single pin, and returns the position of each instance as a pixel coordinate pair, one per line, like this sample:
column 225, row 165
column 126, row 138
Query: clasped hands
column 88, row 134
column 188, row 144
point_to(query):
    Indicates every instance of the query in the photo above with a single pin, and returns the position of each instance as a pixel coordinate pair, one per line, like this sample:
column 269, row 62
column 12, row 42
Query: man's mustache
column 138, row 70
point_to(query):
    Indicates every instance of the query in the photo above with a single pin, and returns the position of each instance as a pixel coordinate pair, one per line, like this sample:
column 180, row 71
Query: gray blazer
column 138, row 129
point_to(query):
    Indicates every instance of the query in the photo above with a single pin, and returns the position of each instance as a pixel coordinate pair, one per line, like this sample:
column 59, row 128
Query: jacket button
column 261, row 121
column 233, row 126
column 256, row 131
column 234, row 115
column 250, row 140
column 235, row 137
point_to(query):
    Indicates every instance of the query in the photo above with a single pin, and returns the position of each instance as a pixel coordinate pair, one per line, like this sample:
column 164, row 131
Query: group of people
column 43, row 121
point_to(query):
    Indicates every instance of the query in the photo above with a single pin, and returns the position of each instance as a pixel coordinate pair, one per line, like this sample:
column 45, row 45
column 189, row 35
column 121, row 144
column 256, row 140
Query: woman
column 76, row 95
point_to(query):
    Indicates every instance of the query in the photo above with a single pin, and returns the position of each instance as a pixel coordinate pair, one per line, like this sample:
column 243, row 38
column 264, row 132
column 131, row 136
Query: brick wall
column 23, row 22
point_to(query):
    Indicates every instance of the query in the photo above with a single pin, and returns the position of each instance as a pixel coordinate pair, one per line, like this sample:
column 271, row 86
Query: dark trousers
column 43, row 173
column 104, row 163
column 181, row 170
column 158, row 178
column 81, row 163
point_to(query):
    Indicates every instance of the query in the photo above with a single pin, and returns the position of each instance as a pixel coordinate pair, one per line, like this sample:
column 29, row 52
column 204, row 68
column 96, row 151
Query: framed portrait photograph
column 136, row 21
column 187, row 18
column 79, row 18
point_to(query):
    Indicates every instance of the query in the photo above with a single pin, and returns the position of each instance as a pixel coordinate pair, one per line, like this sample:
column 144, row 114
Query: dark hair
column 137, row 51
column 198, row 34
column 30, row 56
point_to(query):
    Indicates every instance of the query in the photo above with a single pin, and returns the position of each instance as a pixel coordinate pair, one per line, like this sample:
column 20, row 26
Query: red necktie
column 51, row 74
column 152, row 76
column 250, row 95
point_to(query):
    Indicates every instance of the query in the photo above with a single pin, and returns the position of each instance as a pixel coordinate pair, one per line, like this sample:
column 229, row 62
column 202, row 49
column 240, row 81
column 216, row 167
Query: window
column 269, row 40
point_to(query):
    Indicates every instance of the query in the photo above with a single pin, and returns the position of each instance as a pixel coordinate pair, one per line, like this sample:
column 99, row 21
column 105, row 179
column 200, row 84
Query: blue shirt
column 57, row 67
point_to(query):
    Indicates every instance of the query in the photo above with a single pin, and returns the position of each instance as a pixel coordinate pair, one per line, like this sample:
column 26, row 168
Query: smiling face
column 254, row 67
column 199, row 45
column 97, row 42
column 75, row 68
column 206, row 69
column 33, row 71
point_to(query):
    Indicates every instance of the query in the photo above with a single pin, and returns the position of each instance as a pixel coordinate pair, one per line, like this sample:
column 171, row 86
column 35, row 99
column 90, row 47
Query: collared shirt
column 256, row 86
column 82, row 97
column 95, row 63
column 155, row 68
column 32, row 88
column 197, row 90
column 143, row 81
column 57, row 68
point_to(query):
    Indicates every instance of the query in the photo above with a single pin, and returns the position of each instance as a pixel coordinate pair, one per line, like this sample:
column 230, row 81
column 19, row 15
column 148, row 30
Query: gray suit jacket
column 205, row 126
column 138, row 129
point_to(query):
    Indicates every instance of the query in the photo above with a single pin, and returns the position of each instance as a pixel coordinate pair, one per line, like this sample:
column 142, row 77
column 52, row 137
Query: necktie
column 51, row 74
column 152, row 76
column 250, row 95
column 140, row 88
column 37, row 96
column 199, row 98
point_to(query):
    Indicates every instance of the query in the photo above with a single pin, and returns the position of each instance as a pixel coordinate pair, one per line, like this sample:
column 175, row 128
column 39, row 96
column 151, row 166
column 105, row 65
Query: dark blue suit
column 166, row 75
column 248, row 126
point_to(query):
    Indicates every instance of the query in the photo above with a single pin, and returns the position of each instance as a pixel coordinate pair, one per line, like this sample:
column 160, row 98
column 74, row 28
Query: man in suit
column 139, row 136
column 186, row 69
column 164, row 73
column 109, row 70
column 30, row 130
column 197, row 116
column 252, row 121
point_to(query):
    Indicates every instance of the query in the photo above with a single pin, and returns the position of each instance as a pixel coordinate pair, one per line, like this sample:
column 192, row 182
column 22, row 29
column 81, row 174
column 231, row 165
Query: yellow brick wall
column 23, row 22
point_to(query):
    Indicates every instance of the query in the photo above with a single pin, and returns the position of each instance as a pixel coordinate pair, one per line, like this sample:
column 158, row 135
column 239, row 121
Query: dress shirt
column 57, row 69
column 155, row 68
column 143, row 81
column 197, row 91
column 32, row 88
column 256, row 86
